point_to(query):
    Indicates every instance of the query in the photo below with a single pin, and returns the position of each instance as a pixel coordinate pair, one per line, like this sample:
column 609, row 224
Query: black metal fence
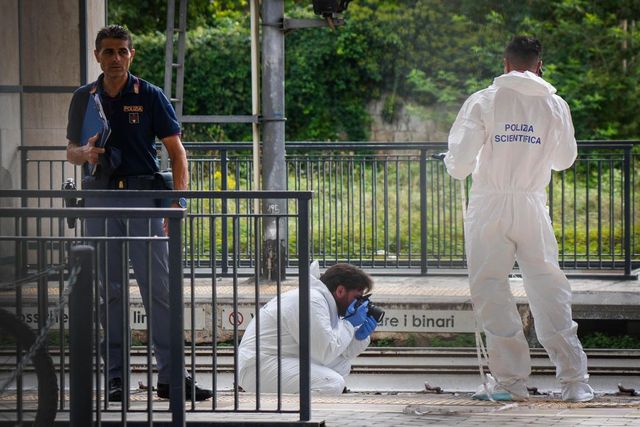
column 390, row 207
column 37, row 243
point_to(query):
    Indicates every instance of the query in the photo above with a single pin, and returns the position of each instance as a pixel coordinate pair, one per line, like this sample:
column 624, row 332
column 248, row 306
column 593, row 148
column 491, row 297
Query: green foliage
column 595, row 340
column 352, row 216
column 149, row 16
column 383, row 342
column 601, row 340
column 427, row 53
column 457, row 340
column 217, row 81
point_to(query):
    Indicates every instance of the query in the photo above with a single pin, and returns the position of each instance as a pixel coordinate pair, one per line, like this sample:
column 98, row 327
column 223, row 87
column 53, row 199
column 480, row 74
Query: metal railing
column 389, row 207
column 39, row 236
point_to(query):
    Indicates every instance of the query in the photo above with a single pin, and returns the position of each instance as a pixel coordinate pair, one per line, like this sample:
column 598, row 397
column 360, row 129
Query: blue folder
column 94, row 122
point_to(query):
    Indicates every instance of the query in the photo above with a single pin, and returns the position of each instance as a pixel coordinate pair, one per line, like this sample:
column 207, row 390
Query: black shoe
column 201, row 393
column 115, row 390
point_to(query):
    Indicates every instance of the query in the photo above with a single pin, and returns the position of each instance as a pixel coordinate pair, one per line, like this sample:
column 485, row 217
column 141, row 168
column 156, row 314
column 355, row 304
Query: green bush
column 425, row 52
column 601, row 340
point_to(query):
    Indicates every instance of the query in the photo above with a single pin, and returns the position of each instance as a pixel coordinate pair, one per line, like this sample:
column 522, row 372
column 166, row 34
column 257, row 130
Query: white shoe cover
column 516, row 391
column 577, row 392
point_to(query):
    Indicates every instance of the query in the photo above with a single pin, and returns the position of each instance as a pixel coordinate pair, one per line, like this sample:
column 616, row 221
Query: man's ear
column 507, row 65
column 340, row 291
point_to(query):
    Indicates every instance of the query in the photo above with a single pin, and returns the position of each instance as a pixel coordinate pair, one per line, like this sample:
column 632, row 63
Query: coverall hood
column 526, row 83
column 511, row 135
column 316, row 284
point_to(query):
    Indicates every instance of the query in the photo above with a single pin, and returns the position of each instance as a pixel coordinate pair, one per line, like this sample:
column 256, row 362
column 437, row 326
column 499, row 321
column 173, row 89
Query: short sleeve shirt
column 137, row 115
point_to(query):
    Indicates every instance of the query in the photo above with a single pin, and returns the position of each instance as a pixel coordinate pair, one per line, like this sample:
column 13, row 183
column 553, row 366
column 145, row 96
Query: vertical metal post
column 255, row 97
column 274, row 168
column 176, row 328
column 235, row 231
column 303, row 277
column 20, row 272
column 168, row 69
column 627, row 211
column 23, row 173
column 168, row 49
column 423, row 212
column 224, row 166
column 80, row 329
column 182, row 36
column 256, row 226
column 43, row 284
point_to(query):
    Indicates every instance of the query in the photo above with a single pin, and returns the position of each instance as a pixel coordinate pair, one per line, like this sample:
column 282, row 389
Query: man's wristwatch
column 181, row 202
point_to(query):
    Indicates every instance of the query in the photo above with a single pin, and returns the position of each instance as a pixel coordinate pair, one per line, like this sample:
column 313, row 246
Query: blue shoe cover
column 497, row 395
column 491, row 390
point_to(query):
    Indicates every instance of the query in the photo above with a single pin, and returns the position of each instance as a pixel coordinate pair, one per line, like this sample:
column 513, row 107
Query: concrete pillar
column 274, row 169
column 47, row 53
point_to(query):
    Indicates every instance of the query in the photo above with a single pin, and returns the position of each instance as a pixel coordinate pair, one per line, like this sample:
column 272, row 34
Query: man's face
column 344, row 297
column 114, row 57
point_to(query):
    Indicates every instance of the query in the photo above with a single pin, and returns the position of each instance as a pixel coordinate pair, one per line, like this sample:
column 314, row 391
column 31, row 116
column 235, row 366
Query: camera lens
column 375, row 312
column 372, row 310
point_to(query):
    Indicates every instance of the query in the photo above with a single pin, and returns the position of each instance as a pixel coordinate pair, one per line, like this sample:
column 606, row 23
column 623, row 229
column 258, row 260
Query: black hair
column 523, row 51
column 114, row 32
column 347, row 275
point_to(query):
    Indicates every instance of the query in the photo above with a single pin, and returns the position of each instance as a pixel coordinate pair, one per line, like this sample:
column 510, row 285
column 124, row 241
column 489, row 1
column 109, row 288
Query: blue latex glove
column 366, row 328
column 357, row 316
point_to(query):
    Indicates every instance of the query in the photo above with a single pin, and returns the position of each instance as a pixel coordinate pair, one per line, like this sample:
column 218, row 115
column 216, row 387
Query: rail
column 390, row 208
column 39, row 236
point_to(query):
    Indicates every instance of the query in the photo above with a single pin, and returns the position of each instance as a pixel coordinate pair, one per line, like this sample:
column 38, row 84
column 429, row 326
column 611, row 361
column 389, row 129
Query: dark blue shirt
column 137, row 115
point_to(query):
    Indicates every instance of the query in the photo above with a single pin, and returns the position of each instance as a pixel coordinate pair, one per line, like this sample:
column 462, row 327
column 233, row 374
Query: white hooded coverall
column 332, row 344
column 510, row 136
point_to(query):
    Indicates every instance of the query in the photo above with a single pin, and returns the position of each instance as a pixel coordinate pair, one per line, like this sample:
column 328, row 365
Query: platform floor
column 413, row 409
column 399, row 288
column 592, row 299
column 436, row 288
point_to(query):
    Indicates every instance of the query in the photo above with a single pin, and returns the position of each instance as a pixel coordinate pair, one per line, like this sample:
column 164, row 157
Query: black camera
column 329, row 8
column 71, row 202
column 372, row 310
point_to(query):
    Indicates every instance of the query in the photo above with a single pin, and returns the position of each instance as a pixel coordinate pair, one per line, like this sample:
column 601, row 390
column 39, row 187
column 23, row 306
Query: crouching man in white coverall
column 338, row 333
column 510, row 136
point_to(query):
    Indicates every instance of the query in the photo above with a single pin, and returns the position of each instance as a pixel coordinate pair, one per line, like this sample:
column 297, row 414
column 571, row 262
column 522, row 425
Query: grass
column 353, row 216
column 595, row 340
column 601, row 340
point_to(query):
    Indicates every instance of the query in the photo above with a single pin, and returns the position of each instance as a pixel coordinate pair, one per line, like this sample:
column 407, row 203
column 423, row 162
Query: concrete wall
column 412, row 123
column 43, row 62
column 47, row 52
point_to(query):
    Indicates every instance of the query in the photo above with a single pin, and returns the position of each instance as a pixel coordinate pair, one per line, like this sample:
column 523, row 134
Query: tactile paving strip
column 606, row 401
column 464, row 399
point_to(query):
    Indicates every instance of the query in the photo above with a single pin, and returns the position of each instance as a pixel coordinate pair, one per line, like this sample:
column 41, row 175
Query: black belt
column 137, row 182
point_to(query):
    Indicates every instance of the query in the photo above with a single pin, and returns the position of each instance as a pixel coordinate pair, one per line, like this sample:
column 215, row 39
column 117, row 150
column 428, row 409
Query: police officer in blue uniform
column 137, row 112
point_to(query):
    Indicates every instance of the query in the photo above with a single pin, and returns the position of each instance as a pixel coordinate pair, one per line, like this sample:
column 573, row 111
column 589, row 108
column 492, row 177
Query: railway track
column 396, row 361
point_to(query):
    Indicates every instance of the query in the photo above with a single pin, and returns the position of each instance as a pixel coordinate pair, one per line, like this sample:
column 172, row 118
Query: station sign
column 440, row 321
column 137, row 317
column 395, row 320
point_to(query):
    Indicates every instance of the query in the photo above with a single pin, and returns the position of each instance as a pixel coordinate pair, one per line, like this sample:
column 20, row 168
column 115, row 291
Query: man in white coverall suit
column 510, row 136
column 339, row 332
